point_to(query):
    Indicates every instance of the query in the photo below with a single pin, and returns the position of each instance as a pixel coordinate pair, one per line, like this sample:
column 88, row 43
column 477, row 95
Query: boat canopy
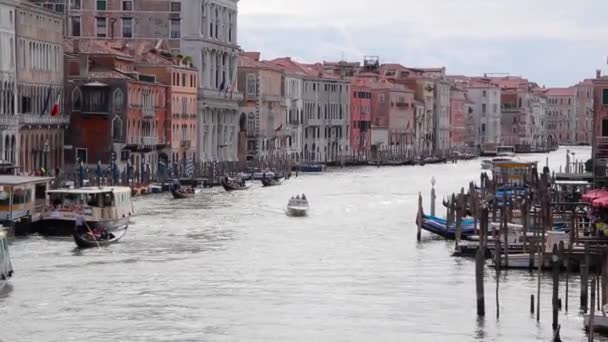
column 596, row 197
column 91, row 190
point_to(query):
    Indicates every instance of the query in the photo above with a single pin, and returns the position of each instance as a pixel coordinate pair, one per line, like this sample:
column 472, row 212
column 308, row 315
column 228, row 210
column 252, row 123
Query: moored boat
column 230, row 184
column 6, row 267
column 298, row 206
column 104, row 208
column 600, row 321
column 486, row 164
column 309, row 168
column 439, row 226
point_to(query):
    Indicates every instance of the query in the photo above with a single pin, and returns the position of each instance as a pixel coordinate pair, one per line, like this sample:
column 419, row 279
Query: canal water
column 234, row 267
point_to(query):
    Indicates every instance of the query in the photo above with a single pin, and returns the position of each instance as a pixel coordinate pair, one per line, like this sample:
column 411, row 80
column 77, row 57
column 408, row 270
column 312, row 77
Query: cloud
column 464, row 35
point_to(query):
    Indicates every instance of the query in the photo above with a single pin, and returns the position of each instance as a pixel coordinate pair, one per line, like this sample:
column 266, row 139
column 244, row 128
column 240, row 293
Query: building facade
column 458, row 119
column 561, row 103
column 209, row 36
column 486, row 111
column 124, row 20
column 360, row 117
column 263, row 108
column 118, row 116
column 40, row 81
column 584, row 112
column 8, row 83
column 181, row 120
column 600, row 130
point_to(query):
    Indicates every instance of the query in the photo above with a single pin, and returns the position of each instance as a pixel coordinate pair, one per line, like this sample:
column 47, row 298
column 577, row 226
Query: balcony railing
column 185, row 144
column 33, row 119
column 148, row 112
column 8, row 120
column 223, row 94
column 144, row 141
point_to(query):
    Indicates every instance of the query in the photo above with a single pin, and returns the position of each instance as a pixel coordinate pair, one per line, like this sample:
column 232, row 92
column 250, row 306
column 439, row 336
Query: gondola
column 85, row 238
column 184, row 193
column 234, row 185
column 266, row 182
column 439, row 226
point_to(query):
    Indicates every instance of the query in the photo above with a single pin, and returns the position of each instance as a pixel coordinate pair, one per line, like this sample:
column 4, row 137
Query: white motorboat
column 6, row 268
column 297, row 206
column 522, row 260
column 486, row 164
column 600, row 321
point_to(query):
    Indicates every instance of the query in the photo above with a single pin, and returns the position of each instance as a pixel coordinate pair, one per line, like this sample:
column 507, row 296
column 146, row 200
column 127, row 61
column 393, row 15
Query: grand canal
column 234, row 267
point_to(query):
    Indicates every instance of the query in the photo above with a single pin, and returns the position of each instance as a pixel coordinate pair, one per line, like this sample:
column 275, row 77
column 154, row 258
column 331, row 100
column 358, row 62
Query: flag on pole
column 46, row 101
column 55, row 109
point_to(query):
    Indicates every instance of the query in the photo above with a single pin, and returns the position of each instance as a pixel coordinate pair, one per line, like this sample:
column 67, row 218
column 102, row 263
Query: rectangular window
column 605, row 128
column 483, row 108
column 102, row 27
column 75, row 4
column 127, row 27
column 75, row 26
column 605, row 97
column 127, row 5
column 484, row 93
column 81, row 155
column 176, row 6
column 102, row 5
column 175, row 28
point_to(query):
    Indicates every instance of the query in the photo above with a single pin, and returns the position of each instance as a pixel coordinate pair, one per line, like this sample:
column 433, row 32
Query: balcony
column 33, row 119
column 148, row 113
column 221, row 94
column 187, row 144
column 509, row 109
column 9, row 120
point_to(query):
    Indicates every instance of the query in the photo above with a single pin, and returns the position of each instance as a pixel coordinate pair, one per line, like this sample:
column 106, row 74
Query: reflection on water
column 234, row 267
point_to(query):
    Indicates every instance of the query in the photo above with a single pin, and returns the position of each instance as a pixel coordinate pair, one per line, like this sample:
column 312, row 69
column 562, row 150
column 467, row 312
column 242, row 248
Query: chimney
column 598, row 73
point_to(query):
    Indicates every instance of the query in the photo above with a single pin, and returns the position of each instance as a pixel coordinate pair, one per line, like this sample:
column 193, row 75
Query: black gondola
column 234, row 184
column 266, row 182
column 85, row 238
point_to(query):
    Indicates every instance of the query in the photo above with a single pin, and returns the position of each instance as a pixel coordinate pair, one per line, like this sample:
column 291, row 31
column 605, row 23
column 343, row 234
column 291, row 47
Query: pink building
column 584, row 112
column 561, row 106
column 600, row 129
column 360, row 116
column 458, row 119
column 401, row 131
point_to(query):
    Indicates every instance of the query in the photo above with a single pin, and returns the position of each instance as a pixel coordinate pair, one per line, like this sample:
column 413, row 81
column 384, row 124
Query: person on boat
column 298, row 197
column 304, row 197
column 80, row 222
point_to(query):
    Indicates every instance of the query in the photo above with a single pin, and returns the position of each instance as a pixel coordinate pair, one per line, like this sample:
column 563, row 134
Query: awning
column 96, row 84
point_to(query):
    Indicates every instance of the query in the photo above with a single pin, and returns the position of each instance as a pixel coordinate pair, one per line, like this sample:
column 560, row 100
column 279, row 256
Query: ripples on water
column 234, row 267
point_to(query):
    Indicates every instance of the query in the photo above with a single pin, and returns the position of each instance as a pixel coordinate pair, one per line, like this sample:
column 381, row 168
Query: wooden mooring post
column 555, row 261
column 479, row 262
column 592, row 313
column 419, row 218
column 585, row 281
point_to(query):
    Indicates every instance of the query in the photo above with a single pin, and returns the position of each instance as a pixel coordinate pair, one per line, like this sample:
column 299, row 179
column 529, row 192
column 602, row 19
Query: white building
column 8, row 82
column 294, row 103
column 486, row 112
column 209, row 36
column 442, row 117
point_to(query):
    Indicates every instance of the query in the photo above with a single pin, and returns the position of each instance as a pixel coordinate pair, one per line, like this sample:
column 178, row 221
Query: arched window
column 116, row 128
column 251, row 123
column 251, row 85
column 76, row 98
column 117, row 100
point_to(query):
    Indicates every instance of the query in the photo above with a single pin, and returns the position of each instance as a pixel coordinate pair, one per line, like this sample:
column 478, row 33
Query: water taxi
column 22, row 198
column 104, row 208
column 6, row 267
column 297, row 206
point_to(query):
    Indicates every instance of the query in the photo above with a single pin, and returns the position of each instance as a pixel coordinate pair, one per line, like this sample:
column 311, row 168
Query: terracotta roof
column 245, row 61
column 292, row 67
column 94, row 47
column 255, row 55
column 560, row 92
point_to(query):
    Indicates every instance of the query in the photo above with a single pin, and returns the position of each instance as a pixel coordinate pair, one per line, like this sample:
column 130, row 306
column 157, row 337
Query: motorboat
column 232, row 184
column 600, row 321
column 297, row 206
column 256, row 175
column 6, row 267
column 155, row 188
column 103, row 208
column 486, row 164
column 522, row 260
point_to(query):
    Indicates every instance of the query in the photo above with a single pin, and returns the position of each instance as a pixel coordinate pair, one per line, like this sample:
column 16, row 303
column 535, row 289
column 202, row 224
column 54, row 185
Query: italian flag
column 55, row 108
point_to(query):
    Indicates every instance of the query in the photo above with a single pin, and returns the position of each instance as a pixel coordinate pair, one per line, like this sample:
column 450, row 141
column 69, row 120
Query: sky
column 552, row 42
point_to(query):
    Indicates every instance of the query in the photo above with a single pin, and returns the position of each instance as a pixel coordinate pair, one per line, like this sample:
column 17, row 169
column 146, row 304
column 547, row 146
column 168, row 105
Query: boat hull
column 266, row 182
column 55, row 227
column 310, row 168
column 297, row 211
column 230, row 187
column 182, row 195
column 600, row 323
column 83, row 242
column 439, row 227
